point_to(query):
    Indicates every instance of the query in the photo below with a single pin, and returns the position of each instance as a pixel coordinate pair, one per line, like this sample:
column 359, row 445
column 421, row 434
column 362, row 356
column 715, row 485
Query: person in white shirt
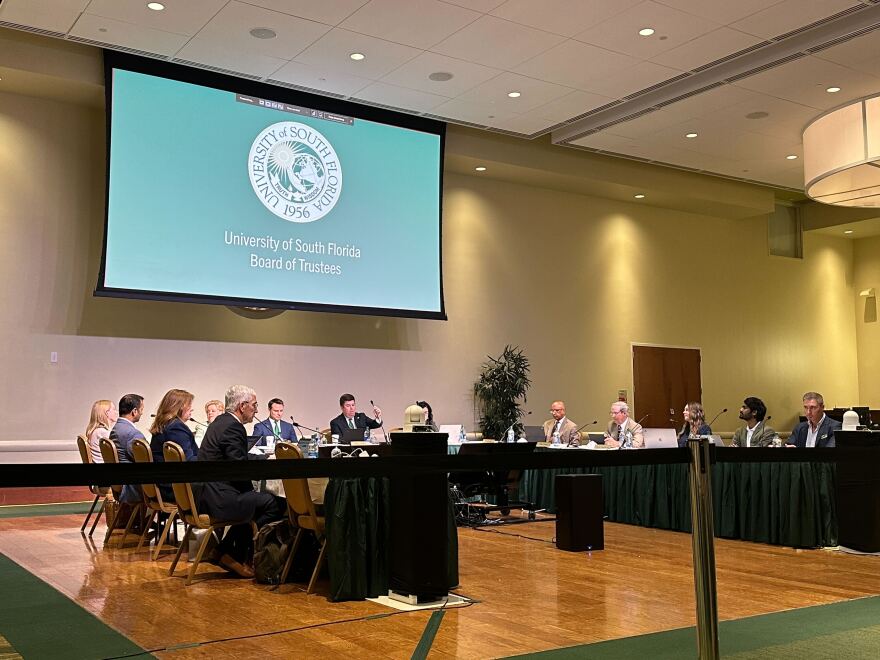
column 755, row 433
column 213, row 409
column 561, row 426
column 622, row 431
column 818, row 430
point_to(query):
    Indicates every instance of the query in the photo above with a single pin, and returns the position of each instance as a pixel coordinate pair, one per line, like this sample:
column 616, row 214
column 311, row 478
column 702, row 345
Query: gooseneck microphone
column 593, row 423
column 717, row 416
column 302, row 426
column 644, row 417
column 507, row 430
column 198, row 423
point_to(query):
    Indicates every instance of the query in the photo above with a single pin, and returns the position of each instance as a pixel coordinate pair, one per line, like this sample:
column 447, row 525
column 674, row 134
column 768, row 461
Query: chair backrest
column 183, row 495
column 142, row 453
column 110, row 454
column 82, row 443
column 299, row 498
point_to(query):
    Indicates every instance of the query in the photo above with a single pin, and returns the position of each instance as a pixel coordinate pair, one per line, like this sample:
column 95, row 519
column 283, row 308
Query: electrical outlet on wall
column 53, row 357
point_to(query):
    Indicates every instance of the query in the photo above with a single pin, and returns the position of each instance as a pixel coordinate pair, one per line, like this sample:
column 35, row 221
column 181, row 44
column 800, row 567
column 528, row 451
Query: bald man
column 567, row 429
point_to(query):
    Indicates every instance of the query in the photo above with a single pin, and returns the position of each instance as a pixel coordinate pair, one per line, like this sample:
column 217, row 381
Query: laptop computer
column 351, row 435
column 660, row 438
column 535, row 433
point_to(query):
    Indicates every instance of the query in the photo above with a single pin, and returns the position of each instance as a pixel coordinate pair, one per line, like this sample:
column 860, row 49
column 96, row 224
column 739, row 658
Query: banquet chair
column 301, row 512
column 98, row 491
column 110, row 454
column 142, row 453
column 188, row 511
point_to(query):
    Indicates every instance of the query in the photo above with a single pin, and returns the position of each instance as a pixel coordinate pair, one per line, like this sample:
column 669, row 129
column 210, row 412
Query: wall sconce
column 867, row 293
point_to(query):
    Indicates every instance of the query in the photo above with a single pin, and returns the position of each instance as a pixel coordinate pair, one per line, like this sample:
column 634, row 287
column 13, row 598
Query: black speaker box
column 579, row 511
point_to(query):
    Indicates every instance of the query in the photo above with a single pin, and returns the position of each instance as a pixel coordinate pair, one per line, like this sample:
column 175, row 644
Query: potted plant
column 504, row 381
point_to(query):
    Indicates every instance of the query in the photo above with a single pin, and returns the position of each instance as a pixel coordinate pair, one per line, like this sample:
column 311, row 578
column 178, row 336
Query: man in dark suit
column 235, row 501
column 131, row 407
column 818, row 430
column 274, row 425
column 351, row 418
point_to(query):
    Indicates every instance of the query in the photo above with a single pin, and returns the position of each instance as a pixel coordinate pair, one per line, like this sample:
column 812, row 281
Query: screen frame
column 223, row 82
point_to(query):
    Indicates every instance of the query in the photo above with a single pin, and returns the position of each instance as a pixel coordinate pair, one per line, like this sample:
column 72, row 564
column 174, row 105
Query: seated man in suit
column 755, row 433
column 562, row 426
column 124, row 432
column 818, row 430
column 235, row 501
column 351, row 418
column 622, row 431
column 274, row 425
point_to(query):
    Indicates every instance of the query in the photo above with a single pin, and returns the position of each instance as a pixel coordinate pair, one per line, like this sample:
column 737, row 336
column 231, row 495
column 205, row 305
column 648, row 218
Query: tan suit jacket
column 568, row 432
column 631, row 428
column 762, row 437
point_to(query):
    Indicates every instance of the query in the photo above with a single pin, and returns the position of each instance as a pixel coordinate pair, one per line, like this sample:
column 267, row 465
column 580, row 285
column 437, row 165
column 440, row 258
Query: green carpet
column 32, row 510
column 39, row 622
column 844, row 631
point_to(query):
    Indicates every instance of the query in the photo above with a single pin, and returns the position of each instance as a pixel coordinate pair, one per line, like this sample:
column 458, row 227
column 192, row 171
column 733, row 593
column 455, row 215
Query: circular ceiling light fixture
column 155, row 6
column 480, row 168
column 263, row 33
column 760, row 114
column 514, row 95
column 842, row 155
column 646, row 32
column 357, row 57
column 690, row 135
column 848, row 231
column 639, row 196
column 832, row 90
column 440, row 76
column 791, row 157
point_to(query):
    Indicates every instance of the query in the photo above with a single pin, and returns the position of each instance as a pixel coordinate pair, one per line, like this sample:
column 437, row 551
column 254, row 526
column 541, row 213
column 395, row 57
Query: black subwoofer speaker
column 579, row 508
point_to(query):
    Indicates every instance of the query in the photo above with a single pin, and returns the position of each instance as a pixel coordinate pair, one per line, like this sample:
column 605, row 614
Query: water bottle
column 367, row 434
column 556, row 440
column 462, row 436
column 510, row 435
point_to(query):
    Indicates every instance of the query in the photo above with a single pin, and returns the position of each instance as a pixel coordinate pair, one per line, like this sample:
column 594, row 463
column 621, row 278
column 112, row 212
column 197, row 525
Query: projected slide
column 222, row 196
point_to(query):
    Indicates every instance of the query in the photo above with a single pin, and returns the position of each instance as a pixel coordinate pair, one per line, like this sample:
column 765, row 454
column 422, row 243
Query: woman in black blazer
column 694, row 423
column 168, row 425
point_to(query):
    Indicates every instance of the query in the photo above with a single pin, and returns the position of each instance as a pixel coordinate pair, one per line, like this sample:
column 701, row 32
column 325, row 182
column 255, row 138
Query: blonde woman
column 174, row 411
column 102, row 419
column 694, row 423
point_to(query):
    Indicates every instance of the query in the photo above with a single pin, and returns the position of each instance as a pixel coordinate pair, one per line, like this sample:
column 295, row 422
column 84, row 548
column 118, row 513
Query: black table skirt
column 357, row 519
column 790, row 504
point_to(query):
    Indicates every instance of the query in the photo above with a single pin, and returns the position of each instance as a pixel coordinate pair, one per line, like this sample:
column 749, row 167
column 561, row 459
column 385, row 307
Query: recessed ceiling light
column 639, row 196
column 481, row 168
column 760, row 114
column 690, row 135
column 848, row 231
column 357, row 57
column 833, row 90
column 514, row 95
column 263, row 33
column 646, row 32
column 791, row 157
column 440, row 76
column 155, row 6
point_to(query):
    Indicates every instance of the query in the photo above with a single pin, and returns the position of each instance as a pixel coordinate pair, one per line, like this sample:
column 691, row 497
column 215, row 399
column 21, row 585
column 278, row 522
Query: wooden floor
column 530, row 595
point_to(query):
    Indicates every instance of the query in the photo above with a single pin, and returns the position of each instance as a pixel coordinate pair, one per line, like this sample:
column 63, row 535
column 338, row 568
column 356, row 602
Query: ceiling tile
column 720, row 11
column 495, row 42
column 417, row 23
column 647, row 124
column 483, row 6
column 525, row 124
column 788, row 15
column 805, row 80
column 671, row 28
column 54, row 15
column 400, row 97
column 607, row 142
column 181, row 17
column 706, row 48
column 333, row 51
column 571, row 105
column 631, row 80
column 414, row 74
column 860, row 54
column 565, row 17
column 785, row 119
column 119, row 33
column 334, row 82
column 473, row 112
column 725, row 96
column 534, row 93
column 575, row 64
column 330, row 12
column 214, row 53
column 230, row 29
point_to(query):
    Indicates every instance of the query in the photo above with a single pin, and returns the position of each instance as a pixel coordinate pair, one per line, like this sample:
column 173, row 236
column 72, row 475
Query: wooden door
column 664, row 380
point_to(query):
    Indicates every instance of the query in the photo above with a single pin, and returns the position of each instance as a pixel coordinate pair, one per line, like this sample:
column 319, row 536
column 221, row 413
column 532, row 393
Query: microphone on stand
column 197, row 422
column 717, row 416
column 644, row 417
column 302, row 426
column 507, row 430
column 593, row 423
column 381, row 424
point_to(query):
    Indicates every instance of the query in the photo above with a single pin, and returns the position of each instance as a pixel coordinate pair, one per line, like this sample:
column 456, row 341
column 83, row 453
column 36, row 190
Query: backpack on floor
column 271, row 548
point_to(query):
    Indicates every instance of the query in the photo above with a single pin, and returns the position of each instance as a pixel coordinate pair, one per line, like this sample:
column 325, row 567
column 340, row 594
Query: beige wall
column 867, row 276
column 573, row 279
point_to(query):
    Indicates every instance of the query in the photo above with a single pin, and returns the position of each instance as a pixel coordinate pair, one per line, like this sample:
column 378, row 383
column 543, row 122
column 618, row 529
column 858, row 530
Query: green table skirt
column 790, row 504
column 357, row 518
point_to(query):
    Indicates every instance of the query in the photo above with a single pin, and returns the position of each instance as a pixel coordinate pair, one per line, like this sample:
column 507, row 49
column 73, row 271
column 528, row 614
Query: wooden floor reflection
column 530, row 595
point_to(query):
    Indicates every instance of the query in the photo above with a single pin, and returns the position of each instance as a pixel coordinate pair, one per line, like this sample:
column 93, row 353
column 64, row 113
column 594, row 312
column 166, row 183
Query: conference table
column 791, row 504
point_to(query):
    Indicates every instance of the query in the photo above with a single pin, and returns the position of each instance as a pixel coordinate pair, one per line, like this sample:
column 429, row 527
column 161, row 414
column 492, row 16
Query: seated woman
column 213, row 409
column 101, row 420
column 175, row 409
column 429, row 415
column 694, row 423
